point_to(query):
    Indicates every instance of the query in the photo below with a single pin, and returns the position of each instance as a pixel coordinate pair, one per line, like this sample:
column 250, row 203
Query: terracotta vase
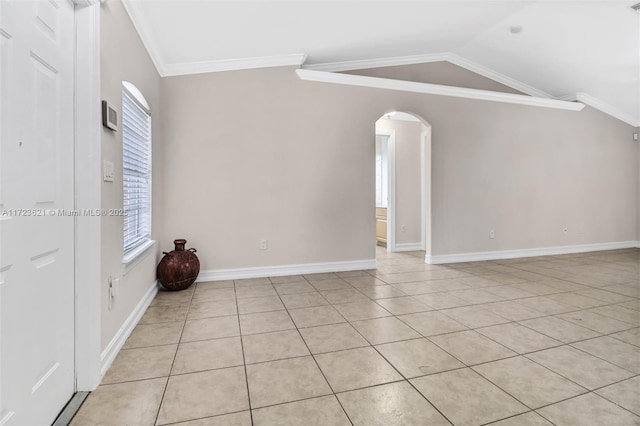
column 179, row 268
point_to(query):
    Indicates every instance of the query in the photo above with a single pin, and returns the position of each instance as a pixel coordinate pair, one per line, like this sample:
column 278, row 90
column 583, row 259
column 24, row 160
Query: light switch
column 107, row 171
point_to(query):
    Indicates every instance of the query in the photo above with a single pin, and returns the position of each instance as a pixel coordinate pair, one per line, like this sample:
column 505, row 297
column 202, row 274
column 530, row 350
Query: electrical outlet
column 492, row 233
column 264, row 244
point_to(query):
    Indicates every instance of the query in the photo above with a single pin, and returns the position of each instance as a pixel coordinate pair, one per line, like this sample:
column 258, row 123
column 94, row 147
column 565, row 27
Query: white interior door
column 36, row 178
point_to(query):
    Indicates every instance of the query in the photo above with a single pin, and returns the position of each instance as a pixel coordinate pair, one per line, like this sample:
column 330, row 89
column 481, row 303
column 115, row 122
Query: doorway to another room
column 403, row 183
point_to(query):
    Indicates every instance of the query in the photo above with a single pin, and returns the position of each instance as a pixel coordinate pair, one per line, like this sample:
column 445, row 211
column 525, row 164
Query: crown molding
column 233, row 64
column 428, row 58
column 363, row 64
column 602, row 106
column 435, row 89
column 138, row 23
column 496, row 76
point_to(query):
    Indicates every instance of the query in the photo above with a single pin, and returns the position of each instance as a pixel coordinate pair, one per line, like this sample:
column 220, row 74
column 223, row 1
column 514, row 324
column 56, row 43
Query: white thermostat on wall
column 109, row 116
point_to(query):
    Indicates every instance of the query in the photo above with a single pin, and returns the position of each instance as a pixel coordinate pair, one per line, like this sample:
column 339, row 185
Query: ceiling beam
column 435, row 89
column 452, row 58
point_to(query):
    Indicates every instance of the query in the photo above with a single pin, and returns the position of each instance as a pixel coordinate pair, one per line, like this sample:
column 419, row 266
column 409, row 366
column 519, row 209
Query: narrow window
column 136, row 167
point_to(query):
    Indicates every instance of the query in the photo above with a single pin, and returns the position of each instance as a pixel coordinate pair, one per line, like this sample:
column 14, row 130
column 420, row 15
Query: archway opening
column 403, row 184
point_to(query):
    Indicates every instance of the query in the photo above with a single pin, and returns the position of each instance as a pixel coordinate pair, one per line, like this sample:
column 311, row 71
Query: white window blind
column 136, row 172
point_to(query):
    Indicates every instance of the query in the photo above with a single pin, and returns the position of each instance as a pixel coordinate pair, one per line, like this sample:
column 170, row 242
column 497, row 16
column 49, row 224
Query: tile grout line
column 166, row 385
column 244, row 361
column 631, row 327
column 314, row 358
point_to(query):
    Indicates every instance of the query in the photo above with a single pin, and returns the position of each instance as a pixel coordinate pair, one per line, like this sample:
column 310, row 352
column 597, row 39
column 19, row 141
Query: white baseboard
column 408, row 247
column 282, row 270
column 513, row 254
column 109, row 354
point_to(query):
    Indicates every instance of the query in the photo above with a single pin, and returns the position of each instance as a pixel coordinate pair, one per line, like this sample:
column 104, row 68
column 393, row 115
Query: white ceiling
column 565, row 47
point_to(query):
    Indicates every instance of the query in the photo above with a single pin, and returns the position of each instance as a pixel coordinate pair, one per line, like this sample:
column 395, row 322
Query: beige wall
column 259, row 154
column 123, row 57
column 408, row 177
column 436, row 73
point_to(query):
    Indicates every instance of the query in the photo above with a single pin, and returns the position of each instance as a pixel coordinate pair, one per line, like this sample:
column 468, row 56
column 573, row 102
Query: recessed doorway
column 403, row 182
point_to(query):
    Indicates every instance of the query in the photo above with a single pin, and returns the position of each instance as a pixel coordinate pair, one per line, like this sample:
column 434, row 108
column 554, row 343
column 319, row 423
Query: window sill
column 136, row 255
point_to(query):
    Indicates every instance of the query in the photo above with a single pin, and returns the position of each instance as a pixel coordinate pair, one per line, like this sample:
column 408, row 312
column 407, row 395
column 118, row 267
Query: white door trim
column 391, row 188
column 425, row 191
column 87, row 195
column 425, row 182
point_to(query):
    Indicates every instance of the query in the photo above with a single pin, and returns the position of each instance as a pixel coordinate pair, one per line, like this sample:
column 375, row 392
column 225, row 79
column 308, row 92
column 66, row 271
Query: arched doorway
column 403, row 182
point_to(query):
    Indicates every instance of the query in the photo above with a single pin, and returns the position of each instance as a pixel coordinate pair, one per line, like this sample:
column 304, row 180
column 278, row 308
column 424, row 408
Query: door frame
column 87, row 183
column 425, row 187
column 391, row 187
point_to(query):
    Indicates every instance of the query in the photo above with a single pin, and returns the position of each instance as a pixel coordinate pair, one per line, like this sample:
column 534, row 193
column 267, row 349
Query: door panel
column 36, row 180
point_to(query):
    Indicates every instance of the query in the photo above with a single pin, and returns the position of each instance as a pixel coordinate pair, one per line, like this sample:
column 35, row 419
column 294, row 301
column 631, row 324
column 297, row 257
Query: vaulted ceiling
column 563, row 48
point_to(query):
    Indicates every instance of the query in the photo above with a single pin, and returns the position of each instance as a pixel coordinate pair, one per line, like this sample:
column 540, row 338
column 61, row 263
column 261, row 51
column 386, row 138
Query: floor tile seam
column 408, row 381
column 617, row 338
column 462, row 367
column 608, row 316
column 401, row 380
column 507, row 320
column 573, row 323
column 391, row 316
column 493, row 422
column 601, row 358
column 454, row 320
column 551, row 337
column 581, row 395
column 244, row 360
column 517, row 399
column 166, row 384
column 446, row 351
column 431, row 403
column 297, row 292
column 320, row 325
column 562, row 279
column 161, row 322
column 562, row 374
column 317, row 364
column 522, row 353
column 202, row 418
column 544, row 315
column 515, row 354
column 412, row 385
column 583, row 390
column 277, row 404
column 611, row 334
column 210, row 316
column 210, row 338
column 595, row 391
column 418, row 337
column 258, row 312
column 491, row 339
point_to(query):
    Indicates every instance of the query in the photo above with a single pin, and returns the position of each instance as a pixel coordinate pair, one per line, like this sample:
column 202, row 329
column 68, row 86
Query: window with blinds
column 136, row 170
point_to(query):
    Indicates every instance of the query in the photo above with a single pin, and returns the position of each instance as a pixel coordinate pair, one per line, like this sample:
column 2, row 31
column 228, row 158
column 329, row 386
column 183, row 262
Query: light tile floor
column 536, row 341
